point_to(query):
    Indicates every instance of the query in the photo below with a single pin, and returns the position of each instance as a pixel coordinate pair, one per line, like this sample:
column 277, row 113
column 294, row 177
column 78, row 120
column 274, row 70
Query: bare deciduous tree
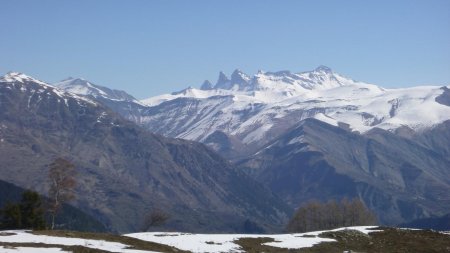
column 155, row 218
column 318, row 216
column 62, row 183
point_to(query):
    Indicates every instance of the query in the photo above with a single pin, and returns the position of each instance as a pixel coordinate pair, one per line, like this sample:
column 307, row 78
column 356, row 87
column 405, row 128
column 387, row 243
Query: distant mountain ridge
column 254, row 110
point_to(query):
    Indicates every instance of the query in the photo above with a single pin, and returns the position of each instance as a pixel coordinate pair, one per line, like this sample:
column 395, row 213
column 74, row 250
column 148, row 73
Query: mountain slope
column 123, row 170
column 398, row 178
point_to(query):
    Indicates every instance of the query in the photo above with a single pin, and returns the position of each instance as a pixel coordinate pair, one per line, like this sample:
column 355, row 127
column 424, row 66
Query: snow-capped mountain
column 12, row 77
column 118, row 100
column 83, row 87
column 246, row 112
column 38, row 89
column 256, row 109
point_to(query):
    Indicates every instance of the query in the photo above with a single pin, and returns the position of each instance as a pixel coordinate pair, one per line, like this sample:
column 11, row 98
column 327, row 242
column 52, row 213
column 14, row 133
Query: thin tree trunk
column 53, row 221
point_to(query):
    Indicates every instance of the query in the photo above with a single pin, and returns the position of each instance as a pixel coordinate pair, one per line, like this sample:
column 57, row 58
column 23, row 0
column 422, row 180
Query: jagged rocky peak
column 239, row 77
column 223, row 82
column 207, row 85
column 323, row 69
column 222, row 77
column 239, row 80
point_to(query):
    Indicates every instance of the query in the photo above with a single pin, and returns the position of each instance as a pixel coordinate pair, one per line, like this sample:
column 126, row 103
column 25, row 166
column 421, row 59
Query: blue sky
column 151, row 47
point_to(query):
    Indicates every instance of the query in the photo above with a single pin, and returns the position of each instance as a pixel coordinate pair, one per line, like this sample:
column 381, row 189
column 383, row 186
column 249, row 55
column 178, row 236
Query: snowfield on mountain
column 252, row 108
column 255, row 109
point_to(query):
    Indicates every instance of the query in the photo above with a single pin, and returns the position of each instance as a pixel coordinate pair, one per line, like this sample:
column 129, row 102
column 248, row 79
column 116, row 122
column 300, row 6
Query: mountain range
column 288, row 137
column 124, row 171
column 238, row 115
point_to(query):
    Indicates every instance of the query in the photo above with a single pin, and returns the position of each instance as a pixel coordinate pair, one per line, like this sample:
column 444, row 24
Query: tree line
column 29, row 213
column 316, row 215
column 34, row 212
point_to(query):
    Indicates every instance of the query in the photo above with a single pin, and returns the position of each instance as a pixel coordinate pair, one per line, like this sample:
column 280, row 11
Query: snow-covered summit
column 19, row 77
column 36, row 87
column 83, row 87
column 320, row 78
column 324, row 69
column 268, row 87
column 207, row 85
column 253, row 109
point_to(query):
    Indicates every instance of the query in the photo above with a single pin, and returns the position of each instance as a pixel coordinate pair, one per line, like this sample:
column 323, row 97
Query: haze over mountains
column 302, row 136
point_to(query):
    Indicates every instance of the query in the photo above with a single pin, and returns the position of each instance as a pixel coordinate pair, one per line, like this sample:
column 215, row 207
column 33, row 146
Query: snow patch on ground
column 209, row 243
column 23, row 236
column 29, row 250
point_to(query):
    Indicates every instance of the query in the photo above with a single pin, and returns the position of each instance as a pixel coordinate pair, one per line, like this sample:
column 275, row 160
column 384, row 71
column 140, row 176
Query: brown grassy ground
column 134, row 243
column 390, row 240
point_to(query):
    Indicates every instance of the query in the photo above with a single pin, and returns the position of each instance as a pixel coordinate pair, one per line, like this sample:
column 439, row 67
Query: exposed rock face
column 444, row 98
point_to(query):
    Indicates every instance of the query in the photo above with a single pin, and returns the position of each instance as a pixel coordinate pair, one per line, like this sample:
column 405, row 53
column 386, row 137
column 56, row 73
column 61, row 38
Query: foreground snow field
column 22, row 236
column 198, row 243
column 202, row 243
column 29, row 250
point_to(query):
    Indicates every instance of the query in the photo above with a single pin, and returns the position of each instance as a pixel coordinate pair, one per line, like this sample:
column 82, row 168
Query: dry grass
column 390, row 240
column 132, row 242
column 74, row 249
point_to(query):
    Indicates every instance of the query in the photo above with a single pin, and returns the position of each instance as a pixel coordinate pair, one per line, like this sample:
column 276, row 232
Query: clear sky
column 151, row 47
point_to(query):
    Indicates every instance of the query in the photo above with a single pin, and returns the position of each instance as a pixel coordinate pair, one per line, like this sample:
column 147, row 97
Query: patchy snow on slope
column 215, row 243
column 23, row 236
column 296, row 241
